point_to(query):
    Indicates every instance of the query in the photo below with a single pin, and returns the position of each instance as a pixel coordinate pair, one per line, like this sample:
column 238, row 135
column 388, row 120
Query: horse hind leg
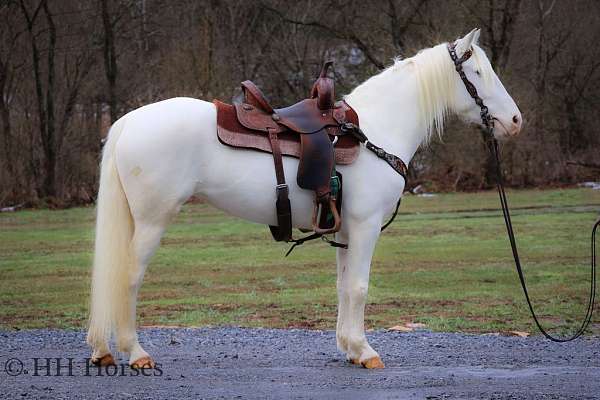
column 145, row 241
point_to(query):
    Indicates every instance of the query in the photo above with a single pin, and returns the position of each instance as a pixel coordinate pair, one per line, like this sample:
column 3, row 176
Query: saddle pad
column 230, row 132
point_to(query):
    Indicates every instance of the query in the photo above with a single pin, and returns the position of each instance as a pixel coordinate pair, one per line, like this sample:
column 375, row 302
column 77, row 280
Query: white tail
column 113, row 258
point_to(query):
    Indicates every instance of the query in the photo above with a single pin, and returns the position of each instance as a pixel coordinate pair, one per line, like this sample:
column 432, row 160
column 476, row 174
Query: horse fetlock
column 127, row 343
column 359, row 349
column 342, row 343
column 137, row 353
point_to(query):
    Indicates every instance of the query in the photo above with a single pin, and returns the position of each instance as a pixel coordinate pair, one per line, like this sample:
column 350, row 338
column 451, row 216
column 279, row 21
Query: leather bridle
column 488, row 126
column 486, row 119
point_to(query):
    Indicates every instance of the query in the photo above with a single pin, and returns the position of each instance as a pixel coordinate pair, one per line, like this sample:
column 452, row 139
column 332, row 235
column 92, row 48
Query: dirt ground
column 215, row 363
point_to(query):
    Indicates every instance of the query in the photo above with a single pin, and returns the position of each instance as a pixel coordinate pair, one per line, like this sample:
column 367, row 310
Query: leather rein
column 488, row 125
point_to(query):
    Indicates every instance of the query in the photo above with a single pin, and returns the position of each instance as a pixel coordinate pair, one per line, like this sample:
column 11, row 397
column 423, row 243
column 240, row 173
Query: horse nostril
column 515, row 119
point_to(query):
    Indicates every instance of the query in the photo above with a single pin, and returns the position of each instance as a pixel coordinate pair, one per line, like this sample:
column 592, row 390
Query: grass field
column 445, row 262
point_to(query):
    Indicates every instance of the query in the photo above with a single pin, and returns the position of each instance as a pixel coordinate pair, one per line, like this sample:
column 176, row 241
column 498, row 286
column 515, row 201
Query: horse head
column 502, row 109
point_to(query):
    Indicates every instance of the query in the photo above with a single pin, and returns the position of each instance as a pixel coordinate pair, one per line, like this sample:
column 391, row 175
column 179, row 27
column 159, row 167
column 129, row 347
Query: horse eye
column 477, row 72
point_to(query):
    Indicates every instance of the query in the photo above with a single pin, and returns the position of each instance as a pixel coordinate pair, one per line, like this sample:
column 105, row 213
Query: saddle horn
column 323, row 88
column 325, row 69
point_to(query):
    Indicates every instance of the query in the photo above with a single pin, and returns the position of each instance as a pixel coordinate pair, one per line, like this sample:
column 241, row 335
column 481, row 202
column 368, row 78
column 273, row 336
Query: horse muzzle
column 508, row 128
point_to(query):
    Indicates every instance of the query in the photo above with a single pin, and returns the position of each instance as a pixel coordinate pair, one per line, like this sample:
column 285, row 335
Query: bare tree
column 9, row 67
column 45, row 102
column 69, row 66
column 110, row 57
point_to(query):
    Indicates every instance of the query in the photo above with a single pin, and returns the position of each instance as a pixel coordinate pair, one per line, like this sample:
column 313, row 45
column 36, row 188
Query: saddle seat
column 309, row 130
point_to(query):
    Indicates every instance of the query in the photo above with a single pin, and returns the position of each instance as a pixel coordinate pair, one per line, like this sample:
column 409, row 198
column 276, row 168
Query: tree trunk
column 110, row 60
column 39, row 90
column 50, row 179
column 6, row 126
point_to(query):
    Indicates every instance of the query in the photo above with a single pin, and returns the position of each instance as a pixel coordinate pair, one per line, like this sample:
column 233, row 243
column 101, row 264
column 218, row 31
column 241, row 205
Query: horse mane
column 436, row 83
column 436, row 80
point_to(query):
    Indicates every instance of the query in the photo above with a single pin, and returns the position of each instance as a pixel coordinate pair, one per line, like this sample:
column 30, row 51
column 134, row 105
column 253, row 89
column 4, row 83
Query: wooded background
column 70, row 67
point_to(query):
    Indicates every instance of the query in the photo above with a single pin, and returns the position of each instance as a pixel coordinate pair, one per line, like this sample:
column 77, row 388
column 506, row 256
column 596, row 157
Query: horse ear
column 467, row 42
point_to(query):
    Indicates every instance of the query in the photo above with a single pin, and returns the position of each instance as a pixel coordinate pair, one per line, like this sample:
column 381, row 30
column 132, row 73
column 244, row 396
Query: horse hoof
column 354, row 361
column 373, row 363
column 142, row 363
column 104, row 361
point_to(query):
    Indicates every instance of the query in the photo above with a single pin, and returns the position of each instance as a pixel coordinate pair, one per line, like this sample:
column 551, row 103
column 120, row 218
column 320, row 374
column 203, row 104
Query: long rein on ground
column 488, row 123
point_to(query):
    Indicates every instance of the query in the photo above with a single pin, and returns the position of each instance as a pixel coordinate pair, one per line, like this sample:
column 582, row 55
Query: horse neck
column 388, row 108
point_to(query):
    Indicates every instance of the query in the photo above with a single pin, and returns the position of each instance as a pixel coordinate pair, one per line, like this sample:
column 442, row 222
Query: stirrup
column 318, row 211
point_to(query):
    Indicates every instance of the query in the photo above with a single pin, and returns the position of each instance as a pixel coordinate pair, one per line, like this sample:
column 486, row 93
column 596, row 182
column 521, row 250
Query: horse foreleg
column 342, row 264
column 353, row 283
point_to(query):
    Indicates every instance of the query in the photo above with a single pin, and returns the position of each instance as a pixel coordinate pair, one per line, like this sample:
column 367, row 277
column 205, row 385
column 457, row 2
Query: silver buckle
column 282, row 186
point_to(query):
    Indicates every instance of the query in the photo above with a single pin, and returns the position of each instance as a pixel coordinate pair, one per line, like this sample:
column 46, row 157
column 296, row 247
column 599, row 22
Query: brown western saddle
column 310, row 130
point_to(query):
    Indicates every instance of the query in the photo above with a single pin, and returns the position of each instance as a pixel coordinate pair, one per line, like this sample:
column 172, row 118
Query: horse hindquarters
column 134, row 206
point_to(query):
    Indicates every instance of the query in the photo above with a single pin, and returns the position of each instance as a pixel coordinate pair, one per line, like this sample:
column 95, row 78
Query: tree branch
column 338, row 34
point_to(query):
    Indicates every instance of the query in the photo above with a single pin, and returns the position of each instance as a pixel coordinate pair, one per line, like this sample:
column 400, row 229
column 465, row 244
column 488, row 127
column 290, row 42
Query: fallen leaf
column 416, row 325
column 519, row 333
column 400, row 328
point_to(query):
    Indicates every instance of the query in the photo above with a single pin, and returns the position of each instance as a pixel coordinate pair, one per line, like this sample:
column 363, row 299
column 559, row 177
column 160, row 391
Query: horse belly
column 242, row 183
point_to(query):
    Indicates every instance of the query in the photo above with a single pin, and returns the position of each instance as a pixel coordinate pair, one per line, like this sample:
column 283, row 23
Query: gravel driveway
column 267, row 363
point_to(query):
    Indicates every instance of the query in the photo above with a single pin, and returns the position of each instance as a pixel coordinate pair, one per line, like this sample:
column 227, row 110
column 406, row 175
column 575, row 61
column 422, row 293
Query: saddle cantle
column 309, row 130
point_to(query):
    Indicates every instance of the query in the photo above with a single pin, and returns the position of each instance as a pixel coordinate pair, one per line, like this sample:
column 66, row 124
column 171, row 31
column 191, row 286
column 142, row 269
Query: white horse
column 159, row 155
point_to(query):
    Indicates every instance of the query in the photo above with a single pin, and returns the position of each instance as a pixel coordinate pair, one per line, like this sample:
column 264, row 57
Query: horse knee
column 358, row 293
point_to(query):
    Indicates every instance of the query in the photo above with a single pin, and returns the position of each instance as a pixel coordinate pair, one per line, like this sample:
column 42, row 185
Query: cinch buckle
column 282, row 186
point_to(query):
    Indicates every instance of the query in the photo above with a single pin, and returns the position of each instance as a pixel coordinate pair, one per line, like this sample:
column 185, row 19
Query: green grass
column 445, row 262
